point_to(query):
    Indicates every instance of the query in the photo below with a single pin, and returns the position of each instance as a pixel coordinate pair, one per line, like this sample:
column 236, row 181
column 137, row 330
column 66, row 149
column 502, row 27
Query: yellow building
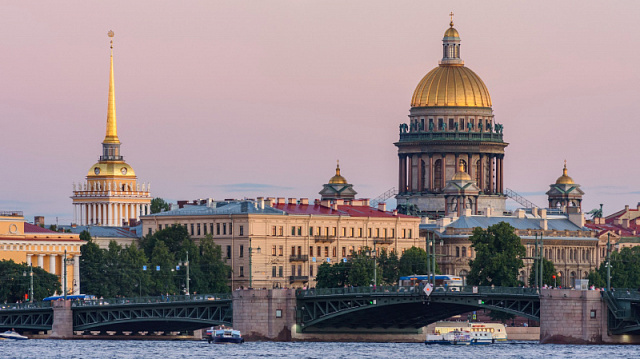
column 111, row 195
column 27, row 243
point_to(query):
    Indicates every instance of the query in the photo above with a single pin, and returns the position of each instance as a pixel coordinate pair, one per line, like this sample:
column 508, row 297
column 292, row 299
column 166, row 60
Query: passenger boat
column 225, row 336
column 10, row 334
column 458, row 337
column 497, row 330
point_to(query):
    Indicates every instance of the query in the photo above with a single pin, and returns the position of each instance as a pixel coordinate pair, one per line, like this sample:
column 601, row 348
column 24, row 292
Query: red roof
column 32, row 228
column 343, row 210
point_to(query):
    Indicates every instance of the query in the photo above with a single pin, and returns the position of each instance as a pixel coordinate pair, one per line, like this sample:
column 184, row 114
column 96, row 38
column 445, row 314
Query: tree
column 214, row 270
column 498, row 259
column 498, row 256
column 85, row 235
column 93, row 270
column 414, row 261
column 596, row 279
column 332, row 276
column 548, row 271
column 158, row 205
column 625, row 270
column 389, row 271
column 16, row 282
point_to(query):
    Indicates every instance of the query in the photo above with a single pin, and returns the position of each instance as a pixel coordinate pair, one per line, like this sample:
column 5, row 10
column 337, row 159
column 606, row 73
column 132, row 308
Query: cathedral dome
column 338, row 179
column 564, row 179
column 451, row 84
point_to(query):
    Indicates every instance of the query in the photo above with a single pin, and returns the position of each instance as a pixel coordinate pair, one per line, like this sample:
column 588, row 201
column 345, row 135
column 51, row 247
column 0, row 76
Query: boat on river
column 10, row 334
column 458, row 337
column 498, row 330
column 225, row 336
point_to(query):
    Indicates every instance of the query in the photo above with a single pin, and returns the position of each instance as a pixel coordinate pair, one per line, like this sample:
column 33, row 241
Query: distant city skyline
column 244, row 99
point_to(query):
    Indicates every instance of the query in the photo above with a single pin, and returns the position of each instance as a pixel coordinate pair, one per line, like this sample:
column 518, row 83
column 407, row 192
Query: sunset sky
column 232, row 99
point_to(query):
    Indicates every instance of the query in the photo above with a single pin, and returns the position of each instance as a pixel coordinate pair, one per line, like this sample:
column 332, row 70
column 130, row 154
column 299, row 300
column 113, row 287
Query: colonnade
column 421, row 172
column 108, row 213
column 74, row 288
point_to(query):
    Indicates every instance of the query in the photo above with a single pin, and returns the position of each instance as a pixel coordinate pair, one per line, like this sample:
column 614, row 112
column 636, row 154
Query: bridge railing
column 625, row 293
column 29, row 305
column 414, row 291
column 151, row 300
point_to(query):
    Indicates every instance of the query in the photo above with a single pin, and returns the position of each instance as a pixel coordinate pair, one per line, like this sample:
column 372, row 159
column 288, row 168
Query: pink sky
column 228, row 99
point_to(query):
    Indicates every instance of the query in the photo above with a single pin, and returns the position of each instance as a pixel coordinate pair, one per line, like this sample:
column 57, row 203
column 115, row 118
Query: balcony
column 299, row 258
column 298, row 278
column 384, row 241
column 324, row 239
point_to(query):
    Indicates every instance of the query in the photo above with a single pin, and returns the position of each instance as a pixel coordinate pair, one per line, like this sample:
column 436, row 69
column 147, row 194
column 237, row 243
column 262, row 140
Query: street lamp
column 186, row 264
column 65, row 263
column 250, row 263
column 431, row 257
column 609, row 260
column 538, row 262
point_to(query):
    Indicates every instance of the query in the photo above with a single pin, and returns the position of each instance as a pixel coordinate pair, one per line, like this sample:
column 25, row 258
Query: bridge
column 624, row 311
column 166, row 313
column 405, row 307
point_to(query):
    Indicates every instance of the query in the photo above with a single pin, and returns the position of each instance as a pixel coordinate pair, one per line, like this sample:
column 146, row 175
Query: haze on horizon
column 231, row 99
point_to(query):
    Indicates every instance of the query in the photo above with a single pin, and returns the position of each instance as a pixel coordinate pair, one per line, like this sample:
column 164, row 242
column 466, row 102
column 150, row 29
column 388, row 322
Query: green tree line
column 625, row 270
column 15, row 282
column 154, row 267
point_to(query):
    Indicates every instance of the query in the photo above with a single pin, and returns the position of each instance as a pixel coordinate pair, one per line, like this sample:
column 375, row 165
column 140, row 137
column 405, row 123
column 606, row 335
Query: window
column 334, row 231
column 217, row 229
column 299, row 270
column 437, row 174
column 352, row 232
column 593, row 313
column 360, row 232
column 280, row 271
column 326, row 231
column 344, row 231
column 344, row 251
column 293, row 269
column 369, row 233
column 410, row 234
column 457, row 252
column 241, row 271
column 311, row 251
column 404, row 233
column 149, row 231
column 273, row 250
column 451, row 124
column 319, row 251
column 273, row 230
column 326, row 251
column 241, row 230
column 293, row 250
column 310, row 270
column 273, row 271
column 293, row 230
column 299, row 250
column 191, row 229
column 300, row 230
column 231, row 228
column 440, row 123
column 335, row 251
column 228, row 252
column 393, row 233
column 280, row 251
column 241, row 251
column 462, row 124
column 281, row 231
column 224, row 228
column 311, row 231
column 278, row 313
column 464, row 252
column 198, row 228
column 211, row 227
column 204, row 227
column 377, row 232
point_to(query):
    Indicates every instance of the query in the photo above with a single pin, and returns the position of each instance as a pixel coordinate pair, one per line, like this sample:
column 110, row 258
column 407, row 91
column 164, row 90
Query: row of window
column 344, row 231
column 584, row 255
column 461, row 124
column 199, row 229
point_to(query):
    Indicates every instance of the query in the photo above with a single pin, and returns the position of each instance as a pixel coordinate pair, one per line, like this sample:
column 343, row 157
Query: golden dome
column 451, row 85
column 564, row 179
column 461, row 175
column 338, row 179
column 111, row 168
column 451, row 32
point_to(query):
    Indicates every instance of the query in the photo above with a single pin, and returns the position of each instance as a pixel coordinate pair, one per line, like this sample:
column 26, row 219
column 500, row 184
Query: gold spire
column 451, row 23
column 565, row 179
column 112, row 128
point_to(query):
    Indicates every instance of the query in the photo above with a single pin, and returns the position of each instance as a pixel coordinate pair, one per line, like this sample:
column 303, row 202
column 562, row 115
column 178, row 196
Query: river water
column 68, row 349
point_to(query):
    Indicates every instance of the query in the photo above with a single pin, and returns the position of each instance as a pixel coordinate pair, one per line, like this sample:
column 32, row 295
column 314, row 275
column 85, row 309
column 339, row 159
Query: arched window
column 457, row 252
column 437, row 174
column 573, row 279
column 440, row 123
column 478, row 173
column 464, row 252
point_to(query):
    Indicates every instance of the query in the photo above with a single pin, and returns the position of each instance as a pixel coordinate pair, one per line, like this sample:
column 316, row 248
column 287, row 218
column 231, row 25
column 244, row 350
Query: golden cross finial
column 565, row 163
column 111, row 34
column 451, row 15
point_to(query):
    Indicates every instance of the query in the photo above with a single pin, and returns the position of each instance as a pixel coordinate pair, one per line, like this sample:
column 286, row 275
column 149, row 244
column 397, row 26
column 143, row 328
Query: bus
column 441, row 280
column 71, row 297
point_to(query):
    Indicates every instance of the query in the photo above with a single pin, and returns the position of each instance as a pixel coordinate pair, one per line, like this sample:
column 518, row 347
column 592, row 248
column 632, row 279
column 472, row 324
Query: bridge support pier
column 576, row 317
column 62, row 327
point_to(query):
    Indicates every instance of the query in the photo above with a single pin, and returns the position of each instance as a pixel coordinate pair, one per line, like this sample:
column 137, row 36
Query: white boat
column 497, row 330
column 10, row 334
column 458, row 337
column 224, row 336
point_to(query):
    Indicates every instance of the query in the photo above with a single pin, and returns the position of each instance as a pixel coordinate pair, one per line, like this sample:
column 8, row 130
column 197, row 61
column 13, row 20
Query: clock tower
column 111, row 194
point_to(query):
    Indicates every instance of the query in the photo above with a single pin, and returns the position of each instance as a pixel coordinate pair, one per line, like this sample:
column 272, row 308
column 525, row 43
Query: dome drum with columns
column 111, row 195
column 565, row 193
column 451, row 125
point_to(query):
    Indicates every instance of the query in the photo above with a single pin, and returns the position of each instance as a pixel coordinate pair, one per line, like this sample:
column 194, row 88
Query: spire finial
column 338, row 168
column 564, row 170
column 451, row 15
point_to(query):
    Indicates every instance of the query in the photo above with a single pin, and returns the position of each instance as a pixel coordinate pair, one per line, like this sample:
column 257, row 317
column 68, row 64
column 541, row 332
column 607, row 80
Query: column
column 491, row 174
column 420, row 176
column 76, row 274
column 457, row 165
column 502, row 174
column 52, row 263
column 443, row 175
column 41, row 261
column 469, row 159
column 29, row 259
column 75, row 213
column 410, row 173
column 482, row 176
column 430, row 172
column 400, row 174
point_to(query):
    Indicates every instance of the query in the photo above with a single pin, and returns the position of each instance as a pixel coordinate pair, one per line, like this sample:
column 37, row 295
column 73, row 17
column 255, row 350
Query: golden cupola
column 565, row 179
column 338, row 179
column 451, row 84
column 461, row 175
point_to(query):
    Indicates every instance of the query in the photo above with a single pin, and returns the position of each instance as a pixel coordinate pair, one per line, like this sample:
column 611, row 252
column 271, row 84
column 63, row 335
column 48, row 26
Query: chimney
column 280, row 200
column 304, row 201
column 543, row 213
column 467, row 212
column 395, row 212
column 334, row 206
column 487, row 212
column 38, row 221
column 382, row 206
column 339, row 202
column 543, row 225
column 260, row 203
column 534, row 211
column 325, row 203
column 292, row 201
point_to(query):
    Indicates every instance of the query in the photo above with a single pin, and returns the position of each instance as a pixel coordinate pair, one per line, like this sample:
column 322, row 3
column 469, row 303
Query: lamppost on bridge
column 65, row 263
column 431, row 257
column 609, row 259
column 24, row 274
column 538, row 262
column 186, row 264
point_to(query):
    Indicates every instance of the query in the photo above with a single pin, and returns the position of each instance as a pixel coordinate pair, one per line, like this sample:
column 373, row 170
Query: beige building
column 52, row 251
column 111, row 194
column 277, row 243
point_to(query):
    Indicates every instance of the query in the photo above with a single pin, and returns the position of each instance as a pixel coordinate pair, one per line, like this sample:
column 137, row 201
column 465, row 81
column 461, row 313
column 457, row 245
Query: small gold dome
column 564, row 179
column 117, row 169
column 338, row 179
column 461, row 175
column 451, row 85
column 451, row 32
